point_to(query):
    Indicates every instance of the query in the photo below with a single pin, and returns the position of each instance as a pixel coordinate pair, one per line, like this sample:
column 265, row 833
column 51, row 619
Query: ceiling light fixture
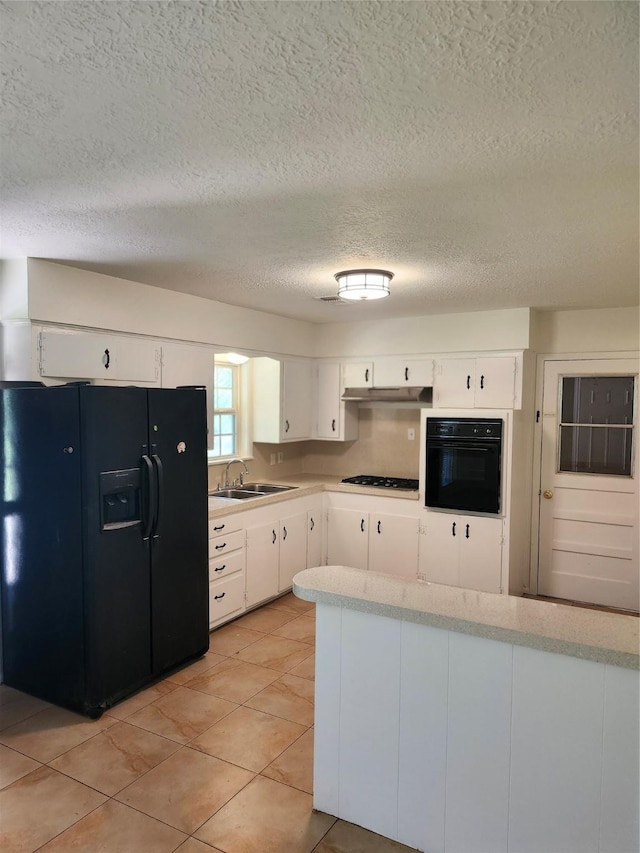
column 360, row 285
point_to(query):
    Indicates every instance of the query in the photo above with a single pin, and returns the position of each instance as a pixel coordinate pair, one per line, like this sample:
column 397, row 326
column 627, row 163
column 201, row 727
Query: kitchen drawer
column 226, row 598
column 224, row 526
column 226, row 542
column 225, row 565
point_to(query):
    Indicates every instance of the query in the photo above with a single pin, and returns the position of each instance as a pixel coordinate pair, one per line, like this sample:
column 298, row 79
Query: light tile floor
column 217, row 757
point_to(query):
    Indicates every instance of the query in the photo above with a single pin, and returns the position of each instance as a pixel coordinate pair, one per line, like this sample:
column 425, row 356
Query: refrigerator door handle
column 159, row 491
column 149, row 489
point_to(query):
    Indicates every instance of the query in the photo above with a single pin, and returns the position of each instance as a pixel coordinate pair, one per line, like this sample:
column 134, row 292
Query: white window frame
column 220, row 361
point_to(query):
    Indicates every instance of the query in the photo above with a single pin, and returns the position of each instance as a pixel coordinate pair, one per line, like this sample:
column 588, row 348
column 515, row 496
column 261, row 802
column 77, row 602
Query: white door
column 439, row 552
column 263, row 558
column 393, row 545
column 314, row 537
column 297, row 400
column 328, row 401
column 495, row 382
column 347, row 538
column 480, row 543
column 455, row 383
column 588, row 539
column 293, row 548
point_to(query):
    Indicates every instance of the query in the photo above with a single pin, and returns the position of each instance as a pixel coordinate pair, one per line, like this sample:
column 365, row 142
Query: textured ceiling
column 487, row 153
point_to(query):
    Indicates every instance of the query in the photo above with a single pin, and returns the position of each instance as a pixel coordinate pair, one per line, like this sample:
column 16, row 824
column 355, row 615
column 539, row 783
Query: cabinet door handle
column 220, row 568
column 218, row 597
column 406, row 374
column 453, row 529
column 482, row 381
column 284, row 533
column 107, row 359
column 286, row 426
column 467, row 532
column 468, row 382
column 312, row 524
column 273, row 541
column 220, row 547
column 333, row 425
column 366, row 375
column 219, row 527
column 379, row 523
column 362, row 525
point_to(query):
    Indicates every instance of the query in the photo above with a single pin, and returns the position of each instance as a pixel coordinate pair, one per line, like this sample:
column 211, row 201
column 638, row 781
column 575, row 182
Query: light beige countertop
column 305, row 484
column 575, row 631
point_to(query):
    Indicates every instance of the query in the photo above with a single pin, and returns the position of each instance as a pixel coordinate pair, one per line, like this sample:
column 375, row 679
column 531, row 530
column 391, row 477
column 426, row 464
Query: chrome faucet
column 226, row 472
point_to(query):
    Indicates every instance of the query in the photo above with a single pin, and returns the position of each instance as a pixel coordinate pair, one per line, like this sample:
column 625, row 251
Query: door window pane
column 596, row 431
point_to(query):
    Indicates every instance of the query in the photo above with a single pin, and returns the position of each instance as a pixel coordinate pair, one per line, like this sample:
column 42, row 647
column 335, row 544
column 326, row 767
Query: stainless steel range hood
column 416, row 394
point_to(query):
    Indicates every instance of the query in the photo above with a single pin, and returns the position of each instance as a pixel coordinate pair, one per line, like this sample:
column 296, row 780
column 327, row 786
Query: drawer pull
column 219, row 527
column 220, row 547
column 218, row 597
column 220, row 568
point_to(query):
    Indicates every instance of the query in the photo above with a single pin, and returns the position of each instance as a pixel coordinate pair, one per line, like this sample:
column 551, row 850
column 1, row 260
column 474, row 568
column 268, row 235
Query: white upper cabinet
column 185, row 364
column 88, row 355
column 396, row 372
column 357, row 375
column 489, row 382
column 282, row 394
column 335, row 420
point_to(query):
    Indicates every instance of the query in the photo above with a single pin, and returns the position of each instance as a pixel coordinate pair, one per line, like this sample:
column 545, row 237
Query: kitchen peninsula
column 450, row 719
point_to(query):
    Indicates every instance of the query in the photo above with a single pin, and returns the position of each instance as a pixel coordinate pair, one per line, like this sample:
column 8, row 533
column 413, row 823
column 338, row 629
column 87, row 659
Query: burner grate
column 381, row 482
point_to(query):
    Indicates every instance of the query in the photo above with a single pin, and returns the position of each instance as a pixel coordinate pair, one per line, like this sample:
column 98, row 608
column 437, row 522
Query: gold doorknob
column 548, row 493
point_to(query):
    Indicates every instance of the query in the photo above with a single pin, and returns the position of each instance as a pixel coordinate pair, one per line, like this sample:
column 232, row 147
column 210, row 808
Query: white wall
column 488, row 330
column 13, row 289
column 598, row 330
column 70, row 296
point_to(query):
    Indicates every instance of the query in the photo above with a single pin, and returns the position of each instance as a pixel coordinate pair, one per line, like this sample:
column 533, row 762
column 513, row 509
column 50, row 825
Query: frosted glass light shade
column 359, row 285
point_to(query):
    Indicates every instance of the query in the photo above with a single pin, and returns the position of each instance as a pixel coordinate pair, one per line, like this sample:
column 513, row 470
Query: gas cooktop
column 382, row 482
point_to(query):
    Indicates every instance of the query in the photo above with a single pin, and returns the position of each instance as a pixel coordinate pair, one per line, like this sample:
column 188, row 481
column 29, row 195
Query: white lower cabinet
column 393, row 544
column 226, row 569
column 462, row 550
column 279, row 539
column 263, row 557
column 347, row 538
column 379, row 541
column 314, row 536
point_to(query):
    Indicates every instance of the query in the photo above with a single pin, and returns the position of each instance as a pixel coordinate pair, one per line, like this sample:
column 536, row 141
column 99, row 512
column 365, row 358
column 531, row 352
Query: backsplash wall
column 382, row 448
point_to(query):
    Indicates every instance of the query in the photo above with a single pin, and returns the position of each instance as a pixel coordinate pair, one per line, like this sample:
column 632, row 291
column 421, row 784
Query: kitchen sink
column 266, row 488
column 236, row 494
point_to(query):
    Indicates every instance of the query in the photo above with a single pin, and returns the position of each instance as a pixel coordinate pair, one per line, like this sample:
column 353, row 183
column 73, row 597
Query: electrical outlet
column 280, row 456
column 272, row 459
column 411, row 434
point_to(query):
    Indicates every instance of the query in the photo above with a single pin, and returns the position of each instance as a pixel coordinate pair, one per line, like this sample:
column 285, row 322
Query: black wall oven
column 463, row 464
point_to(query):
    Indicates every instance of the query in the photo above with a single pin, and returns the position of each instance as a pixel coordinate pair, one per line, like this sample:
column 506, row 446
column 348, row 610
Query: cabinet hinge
column 40, row 352
column 422, row 529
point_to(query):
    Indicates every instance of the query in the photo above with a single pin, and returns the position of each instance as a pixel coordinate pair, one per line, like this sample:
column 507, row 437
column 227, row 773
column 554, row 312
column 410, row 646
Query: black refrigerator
column 104, row 539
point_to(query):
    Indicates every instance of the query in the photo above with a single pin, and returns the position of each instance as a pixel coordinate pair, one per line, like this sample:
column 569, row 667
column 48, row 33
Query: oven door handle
column 483, row 445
